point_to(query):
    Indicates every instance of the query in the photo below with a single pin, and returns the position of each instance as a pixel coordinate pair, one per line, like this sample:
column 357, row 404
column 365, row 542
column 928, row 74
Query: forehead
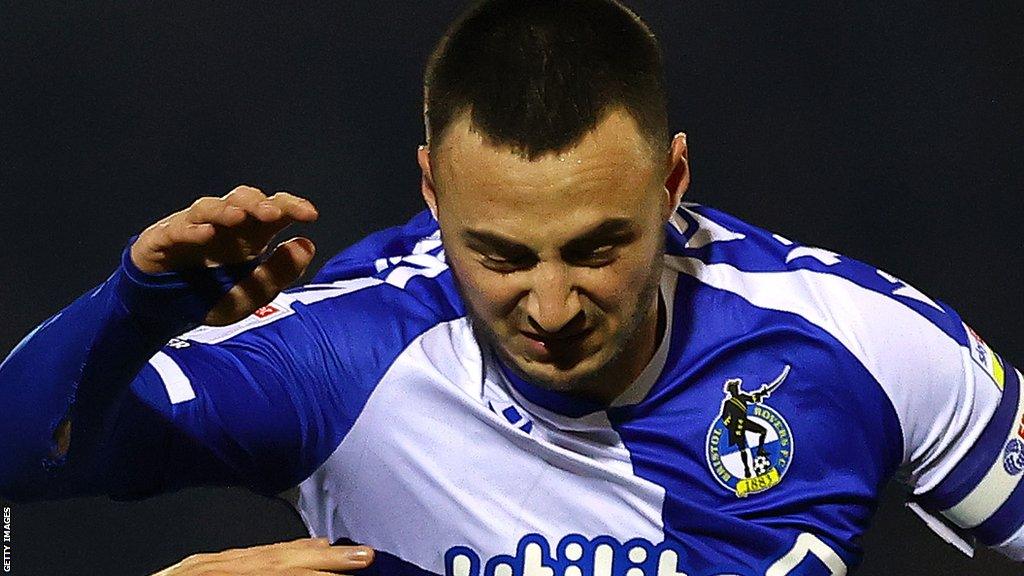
column 610, row 173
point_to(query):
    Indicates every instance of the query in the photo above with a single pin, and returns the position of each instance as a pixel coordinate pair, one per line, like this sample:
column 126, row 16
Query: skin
column 302, row 557
column 559, row 259
column 227, row 230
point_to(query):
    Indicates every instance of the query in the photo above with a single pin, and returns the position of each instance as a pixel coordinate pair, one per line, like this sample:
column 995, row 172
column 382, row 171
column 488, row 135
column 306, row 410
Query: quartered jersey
column 789, row 385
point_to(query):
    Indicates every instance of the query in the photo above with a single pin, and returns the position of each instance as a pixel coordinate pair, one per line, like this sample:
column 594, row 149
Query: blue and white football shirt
column 790, row 384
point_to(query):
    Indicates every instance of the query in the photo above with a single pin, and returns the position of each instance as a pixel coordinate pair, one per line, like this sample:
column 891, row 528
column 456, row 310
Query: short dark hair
column 537, row 75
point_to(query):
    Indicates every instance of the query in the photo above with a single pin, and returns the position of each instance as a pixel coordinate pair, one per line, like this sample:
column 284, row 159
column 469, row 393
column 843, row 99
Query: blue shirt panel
column 846, row 435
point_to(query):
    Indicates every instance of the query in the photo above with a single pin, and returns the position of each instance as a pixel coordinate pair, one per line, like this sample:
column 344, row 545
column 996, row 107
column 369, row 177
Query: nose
column 553, row 304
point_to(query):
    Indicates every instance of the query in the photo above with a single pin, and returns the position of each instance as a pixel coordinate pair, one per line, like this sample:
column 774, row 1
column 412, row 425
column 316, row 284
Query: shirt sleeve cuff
column 173, row 302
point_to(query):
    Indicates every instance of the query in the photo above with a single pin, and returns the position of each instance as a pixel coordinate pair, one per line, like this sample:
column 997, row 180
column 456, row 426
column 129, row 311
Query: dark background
column 890, row 133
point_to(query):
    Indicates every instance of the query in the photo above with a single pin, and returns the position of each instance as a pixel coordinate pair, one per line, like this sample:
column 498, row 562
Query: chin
column 580, row 376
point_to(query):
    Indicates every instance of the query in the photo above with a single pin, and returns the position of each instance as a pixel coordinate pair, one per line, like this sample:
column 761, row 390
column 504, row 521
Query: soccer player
column 533, row 376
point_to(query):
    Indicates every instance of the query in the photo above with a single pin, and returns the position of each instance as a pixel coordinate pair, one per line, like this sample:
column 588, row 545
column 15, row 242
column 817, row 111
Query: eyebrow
column 611, row 229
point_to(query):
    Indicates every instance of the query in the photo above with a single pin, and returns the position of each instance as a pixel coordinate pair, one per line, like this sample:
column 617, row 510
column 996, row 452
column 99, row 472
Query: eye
column 505, row 265
column 594, row 257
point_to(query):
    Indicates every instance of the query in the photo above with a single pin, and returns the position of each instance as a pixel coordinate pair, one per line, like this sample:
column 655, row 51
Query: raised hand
column 229, row 230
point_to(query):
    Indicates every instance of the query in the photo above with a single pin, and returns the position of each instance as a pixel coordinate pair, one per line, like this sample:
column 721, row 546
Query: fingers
column 264, row 216
column 247, row 202
column 284, row 266
column 176, row 230
column 312, row 554
column 241, row 204
column 334, row 559
column 303, row 557
column 270, row 215
column 268, row 208
column 214, row 231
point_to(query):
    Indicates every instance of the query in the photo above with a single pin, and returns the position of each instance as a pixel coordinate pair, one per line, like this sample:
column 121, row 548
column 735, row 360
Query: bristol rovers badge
column 749, row 445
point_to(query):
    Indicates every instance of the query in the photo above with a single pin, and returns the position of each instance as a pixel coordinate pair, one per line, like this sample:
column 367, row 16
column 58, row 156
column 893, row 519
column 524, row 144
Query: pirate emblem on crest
column 749, row 445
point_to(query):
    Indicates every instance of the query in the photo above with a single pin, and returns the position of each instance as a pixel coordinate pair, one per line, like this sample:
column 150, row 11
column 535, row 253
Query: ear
column 678, row 180
column 427, row 188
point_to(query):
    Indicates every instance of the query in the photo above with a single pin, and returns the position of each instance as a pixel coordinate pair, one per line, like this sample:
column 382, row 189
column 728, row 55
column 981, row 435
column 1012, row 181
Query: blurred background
column 890, row 132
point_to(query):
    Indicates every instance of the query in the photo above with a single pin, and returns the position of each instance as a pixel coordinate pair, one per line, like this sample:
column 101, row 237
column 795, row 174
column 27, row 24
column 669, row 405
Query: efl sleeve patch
column 986, row 358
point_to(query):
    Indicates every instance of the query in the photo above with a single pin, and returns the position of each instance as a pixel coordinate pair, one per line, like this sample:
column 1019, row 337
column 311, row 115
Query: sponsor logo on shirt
column 750, row 445
column 574, row 555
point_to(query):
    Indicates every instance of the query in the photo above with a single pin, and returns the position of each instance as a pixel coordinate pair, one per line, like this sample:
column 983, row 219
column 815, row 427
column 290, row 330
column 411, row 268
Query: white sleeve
column 958, row 403
column 969, row 471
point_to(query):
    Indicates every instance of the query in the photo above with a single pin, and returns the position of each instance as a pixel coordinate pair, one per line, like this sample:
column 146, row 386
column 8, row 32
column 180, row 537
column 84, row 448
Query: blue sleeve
column 250, row 422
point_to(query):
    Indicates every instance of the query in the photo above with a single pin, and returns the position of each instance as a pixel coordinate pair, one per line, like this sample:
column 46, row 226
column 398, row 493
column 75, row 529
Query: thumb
column 284, row 266
column 299, row 252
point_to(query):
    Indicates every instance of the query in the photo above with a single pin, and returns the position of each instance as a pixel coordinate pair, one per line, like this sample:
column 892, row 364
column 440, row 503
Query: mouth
column 557, row 337
column 558, row 344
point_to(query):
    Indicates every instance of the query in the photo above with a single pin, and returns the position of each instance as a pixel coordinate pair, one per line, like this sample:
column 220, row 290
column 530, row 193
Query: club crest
column 749, row 445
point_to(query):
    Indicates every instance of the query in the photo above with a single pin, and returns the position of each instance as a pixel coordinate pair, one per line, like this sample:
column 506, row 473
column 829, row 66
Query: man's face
column 558, row 259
